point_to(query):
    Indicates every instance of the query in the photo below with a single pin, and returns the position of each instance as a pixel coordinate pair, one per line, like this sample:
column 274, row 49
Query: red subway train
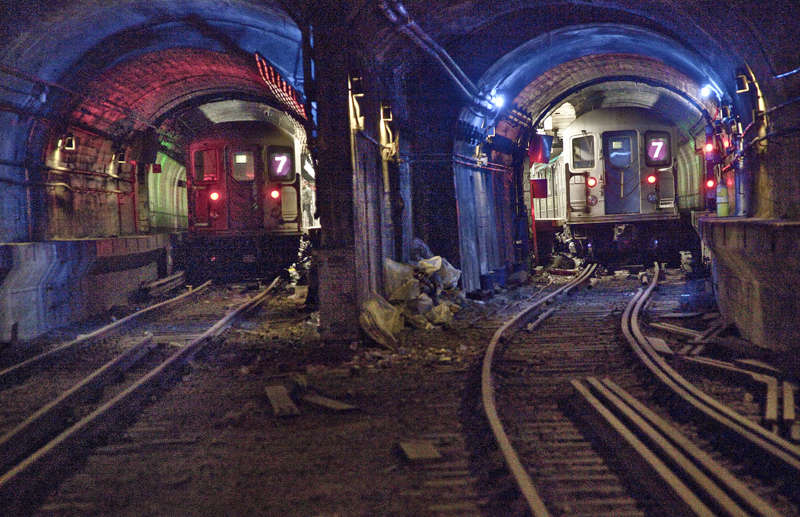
column 251, row 196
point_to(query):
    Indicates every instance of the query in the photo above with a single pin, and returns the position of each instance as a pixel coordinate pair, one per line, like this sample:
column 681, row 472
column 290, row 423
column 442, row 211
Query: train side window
column 583, row 152
column 205, row 165
column 658, row 148
column 244, row 168
column 619, row 151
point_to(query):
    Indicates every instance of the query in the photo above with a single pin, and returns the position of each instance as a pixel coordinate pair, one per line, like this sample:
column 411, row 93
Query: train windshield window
column 583, row 152
column 658, row 148
column 244, row 168
column 205, row 165
column 619, row 151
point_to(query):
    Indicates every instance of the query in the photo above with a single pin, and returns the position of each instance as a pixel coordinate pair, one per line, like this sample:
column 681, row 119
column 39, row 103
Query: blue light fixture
column 498, row 101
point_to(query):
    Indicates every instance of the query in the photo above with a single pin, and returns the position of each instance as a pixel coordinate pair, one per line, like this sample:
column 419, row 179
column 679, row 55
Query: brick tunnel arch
column 111, row 70
column 86, row 83
column 537, row 76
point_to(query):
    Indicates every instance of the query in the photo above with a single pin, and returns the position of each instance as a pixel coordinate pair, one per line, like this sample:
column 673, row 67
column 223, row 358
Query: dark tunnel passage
column 282, row 244
column 416, row 116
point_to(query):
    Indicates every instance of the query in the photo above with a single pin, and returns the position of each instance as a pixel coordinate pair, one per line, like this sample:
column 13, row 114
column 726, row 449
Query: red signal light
column 591, row 182
column 709, row 147
column 651, row 179
column 214, row 196
column 710, row 183
column 274, row 193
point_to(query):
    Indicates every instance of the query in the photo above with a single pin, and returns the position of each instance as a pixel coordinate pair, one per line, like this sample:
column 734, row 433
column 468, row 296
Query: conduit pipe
column 398, row 15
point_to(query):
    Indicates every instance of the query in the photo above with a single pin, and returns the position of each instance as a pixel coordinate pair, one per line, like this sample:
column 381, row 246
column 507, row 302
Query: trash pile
column 423, row 293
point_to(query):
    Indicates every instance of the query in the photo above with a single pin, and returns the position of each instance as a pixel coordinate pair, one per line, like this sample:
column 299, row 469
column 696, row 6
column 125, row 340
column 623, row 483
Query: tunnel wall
column 16, row 206
column 88, row 194
column 47, row 285
column 167, row 196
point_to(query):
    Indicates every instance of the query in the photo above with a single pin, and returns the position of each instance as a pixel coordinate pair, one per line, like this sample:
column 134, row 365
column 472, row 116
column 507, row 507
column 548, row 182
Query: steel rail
column 29, row 434
column 510, row 456
column 11, row 374
column 26, row 477
column 777, row 452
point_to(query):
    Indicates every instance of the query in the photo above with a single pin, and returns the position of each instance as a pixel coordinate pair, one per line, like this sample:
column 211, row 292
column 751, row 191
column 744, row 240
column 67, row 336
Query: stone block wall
column 49, row 284
column 757, row 278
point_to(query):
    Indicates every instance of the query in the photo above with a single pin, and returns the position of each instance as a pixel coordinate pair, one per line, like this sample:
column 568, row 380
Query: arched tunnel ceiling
column 616, row 80
column 132, row 94
column 120, row 65
column 480, row 35
column 72, row 42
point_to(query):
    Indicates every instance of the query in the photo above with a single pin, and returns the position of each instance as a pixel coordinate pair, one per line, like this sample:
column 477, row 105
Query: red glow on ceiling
column 139, row 90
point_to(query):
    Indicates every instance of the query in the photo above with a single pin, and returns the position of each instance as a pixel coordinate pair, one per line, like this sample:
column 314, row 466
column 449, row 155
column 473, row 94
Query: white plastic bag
column 431, row 265
column 399, row 280
column 381, row 320
column 440, row 315
column 449, row 275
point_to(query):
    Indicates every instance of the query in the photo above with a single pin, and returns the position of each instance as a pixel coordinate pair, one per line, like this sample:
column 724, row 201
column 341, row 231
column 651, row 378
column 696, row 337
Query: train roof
column 612, row 119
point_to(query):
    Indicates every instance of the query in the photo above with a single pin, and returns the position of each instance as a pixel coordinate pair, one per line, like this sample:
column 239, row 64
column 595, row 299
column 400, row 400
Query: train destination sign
column 281, row 164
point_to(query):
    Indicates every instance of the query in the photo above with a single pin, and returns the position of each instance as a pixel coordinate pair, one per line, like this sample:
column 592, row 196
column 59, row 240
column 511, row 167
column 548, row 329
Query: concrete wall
column 756, row 275
column 49, row 284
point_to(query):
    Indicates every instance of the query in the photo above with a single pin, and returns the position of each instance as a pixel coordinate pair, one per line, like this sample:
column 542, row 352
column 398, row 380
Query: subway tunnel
column 224, row 139
column 415, row 116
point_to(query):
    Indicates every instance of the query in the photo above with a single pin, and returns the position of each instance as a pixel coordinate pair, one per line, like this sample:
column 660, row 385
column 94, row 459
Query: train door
column 621, row 157
column 245, row 209
column 207, row 194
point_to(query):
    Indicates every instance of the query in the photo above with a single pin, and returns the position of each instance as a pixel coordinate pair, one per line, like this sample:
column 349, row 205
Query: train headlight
column 591, row 182
column 651, row 179
column 214, row 196
column 274, row 193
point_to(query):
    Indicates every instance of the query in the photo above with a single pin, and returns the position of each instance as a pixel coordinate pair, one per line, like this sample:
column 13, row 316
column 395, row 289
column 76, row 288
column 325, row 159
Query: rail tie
column 510, row 456
column 28, row 476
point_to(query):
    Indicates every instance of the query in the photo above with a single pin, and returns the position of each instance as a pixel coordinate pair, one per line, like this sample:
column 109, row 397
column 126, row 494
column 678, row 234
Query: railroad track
column 95, row 384
column 560, row 399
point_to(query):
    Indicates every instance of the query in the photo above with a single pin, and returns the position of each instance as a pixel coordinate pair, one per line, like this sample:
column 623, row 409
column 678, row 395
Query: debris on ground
column 327, row 403
column 419, row 451
column 381, row 320
column 423, row 294
column 282, row 404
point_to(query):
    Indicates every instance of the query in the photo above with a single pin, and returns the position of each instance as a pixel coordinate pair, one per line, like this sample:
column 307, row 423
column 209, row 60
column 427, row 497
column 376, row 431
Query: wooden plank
column 766, row 382
column 758, row 366
column 419, row 451
column 675, row 329
column 659, row 345
column 282, row 404
column 715, row 329
column 770, row 398
column 679, row 315
column 789, row 412
column 327, row 403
